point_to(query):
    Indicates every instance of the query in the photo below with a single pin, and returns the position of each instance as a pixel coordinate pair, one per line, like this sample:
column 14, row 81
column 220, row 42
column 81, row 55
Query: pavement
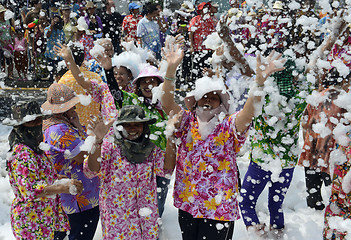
column 13, row 91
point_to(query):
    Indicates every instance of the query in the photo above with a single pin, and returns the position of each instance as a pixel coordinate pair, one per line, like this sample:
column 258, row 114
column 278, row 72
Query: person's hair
column 150, row 8
column 78, row 54
column 34, row 2
column 333, row 78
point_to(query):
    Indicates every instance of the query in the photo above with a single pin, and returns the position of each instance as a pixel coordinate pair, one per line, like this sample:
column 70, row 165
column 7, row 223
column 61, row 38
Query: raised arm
column 263, row 71
column 98, row 129
column 65, row 52
column 322, row 51
column 233, row 51
column 174, row 56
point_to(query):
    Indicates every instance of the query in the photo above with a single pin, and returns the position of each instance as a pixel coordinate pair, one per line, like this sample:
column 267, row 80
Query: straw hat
column 2, row 9
column 60, row 98
column 278, row 5
column 90, row 5
column 188, row 6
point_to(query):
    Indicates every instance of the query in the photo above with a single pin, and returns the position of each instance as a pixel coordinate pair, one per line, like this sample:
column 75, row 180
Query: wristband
column 170, row 79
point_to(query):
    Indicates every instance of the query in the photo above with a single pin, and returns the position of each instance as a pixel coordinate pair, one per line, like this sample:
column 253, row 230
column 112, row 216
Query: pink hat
column 60, row 98
column 148, row 71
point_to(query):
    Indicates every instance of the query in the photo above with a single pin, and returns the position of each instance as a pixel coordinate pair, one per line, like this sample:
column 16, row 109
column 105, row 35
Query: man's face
column 154, row 14
column 109, row 51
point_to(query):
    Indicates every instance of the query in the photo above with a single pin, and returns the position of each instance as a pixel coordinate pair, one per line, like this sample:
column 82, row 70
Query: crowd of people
column 111, row 133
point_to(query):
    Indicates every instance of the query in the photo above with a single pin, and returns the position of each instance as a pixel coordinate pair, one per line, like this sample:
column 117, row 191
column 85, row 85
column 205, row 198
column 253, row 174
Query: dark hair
column 333, row 78
column 150, row 8
column 78, row 54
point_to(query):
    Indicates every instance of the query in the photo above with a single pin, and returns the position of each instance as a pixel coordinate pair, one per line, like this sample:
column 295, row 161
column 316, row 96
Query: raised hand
column 99, row 128
column 173, row 54
column 63, row 51
column 223, row 31
column 273, row 63
column 104, row 61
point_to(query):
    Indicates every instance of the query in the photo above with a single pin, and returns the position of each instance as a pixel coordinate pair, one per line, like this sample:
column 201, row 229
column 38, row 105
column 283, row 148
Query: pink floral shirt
column 128, row 203
column 33, row 217
column 206, row 184
column 102, row 95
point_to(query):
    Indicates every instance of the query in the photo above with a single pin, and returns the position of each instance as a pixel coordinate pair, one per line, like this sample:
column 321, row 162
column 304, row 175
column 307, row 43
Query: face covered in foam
column 209, row 106
column 209, row 101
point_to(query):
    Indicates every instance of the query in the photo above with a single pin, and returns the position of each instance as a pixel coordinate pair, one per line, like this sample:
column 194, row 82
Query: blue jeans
column 276, row 193
column 162, row 190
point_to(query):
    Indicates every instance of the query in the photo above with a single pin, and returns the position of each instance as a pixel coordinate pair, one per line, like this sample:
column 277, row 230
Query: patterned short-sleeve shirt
column 129, row 26
column 33, row 217
column 65, row 142
column 206, row 183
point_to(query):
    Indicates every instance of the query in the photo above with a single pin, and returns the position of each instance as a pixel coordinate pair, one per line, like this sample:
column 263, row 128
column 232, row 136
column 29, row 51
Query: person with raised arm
column 209, row 138
column 128, row 164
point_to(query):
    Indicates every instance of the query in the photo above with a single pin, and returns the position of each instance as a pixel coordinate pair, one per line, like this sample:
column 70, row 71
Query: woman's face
column 146, row 85
column 209, row 101
column 132, row 130
column 122, row 76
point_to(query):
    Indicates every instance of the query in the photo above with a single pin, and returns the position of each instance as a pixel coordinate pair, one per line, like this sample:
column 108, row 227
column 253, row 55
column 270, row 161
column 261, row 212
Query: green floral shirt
column 275, row 131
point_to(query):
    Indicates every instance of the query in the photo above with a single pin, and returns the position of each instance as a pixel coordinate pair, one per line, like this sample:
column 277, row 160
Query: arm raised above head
column 65, row 52
column 238, row 58
column 263, row 71
column 174, row 56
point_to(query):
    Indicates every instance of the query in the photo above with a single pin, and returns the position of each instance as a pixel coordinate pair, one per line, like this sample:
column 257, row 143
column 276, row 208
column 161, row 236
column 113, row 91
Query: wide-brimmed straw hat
column 25, row 112
column 133, row 113
column 60, row 98
column 206, row 85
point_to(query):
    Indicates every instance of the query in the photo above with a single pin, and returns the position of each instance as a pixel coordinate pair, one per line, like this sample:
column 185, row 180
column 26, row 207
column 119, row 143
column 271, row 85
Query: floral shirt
column 206, row 184
column 275, row 134
column 339, row 202
column 149, row 32
column 93, row 108
column 317, row 148
column 128, row 202
column 201, row 28
column 129, row 26
column 101, row 94
column 342, row 53
column 94, row 66
column 88, row 43
column 65, row 143
column 32, row 217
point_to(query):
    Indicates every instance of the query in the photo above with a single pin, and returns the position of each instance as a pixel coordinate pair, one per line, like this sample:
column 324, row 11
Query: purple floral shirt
column 206, row 184
column 65, row 142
